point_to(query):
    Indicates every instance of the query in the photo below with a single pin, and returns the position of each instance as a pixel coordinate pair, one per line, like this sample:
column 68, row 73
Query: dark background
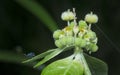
column 22, row 32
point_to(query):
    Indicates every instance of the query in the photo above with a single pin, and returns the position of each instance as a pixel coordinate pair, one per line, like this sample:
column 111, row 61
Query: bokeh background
column 27, row 26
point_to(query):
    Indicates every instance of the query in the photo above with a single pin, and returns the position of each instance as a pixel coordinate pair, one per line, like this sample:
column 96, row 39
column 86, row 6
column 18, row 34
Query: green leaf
column 12, row 57
column 52, row 55
column 48, row 57
column 7, row 56
column 66, row 66
column 97, row 66
column 39, row 56
column 40, row 12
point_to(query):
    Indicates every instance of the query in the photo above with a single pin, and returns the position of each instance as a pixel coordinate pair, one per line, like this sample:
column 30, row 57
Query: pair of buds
column 71, row 15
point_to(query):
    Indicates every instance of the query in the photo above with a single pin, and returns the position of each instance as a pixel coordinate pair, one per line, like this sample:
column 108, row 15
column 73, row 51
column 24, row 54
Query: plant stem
column 68, row 23
column 86, row 67
column 83, row 61
column 89, row 26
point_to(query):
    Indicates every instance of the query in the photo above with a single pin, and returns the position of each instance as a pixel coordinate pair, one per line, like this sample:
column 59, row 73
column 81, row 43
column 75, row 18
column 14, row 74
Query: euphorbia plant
column 78, row 37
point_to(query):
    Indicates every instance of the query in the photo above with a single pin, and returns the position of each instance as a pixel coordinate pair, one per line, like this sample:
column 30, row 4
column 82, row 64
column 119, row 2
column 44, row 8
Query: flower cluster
column 77, row 34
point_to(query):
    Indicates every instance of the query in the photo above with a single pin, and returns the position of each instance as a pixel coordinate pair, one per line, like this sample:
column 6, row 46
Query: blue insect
column 30, row 55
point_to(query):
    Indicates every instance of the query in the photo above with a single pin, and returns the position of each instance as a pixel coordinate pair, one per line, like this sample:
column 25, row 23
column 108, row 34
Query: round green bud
column 58, row 44
column 83, row 43
column 91, row 18
column 82, row 24
column 70, row 40
column 93, row 47
column 80, row 42
column 56, row 34
column 72, row 24
column 90, row 35
column 63, row 41
column 82, row 27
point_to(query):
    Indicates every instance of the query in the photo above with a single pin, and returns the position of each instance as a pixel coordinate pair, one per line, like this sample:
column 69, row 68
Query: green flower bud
column 90, row 35
column 82, row 24
column 63, row 41
column 70, row 40
column 72, row 24
column 91, row 18
column 83, row 43
column 80, row 42
column 92, row 47
column 82, row 27
column 58, row 44
column 56, row 34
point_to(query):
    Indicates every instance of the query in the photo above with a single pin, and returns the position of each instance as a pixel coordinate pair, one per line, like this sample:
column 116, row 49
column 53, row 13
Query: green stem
column 89, row 28
column 68, row 23
column 83, row 61
column 86, row 67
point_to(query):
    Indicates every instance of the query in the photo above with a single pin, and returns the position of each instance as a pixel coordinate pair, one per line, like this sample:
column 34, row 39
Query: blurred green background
column 27, row 26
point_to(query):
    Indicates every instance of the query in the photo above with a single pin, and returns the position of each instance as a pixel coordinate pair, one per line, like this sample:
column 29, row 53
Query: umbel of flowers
column 77, row 34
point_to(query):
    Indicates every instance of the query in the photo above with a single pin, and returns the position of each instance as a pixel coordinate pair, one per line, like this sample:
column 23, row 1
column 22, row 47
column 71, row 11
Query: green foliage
column 8, row 56
column 43, row 15
column 66, row 66
column 97, row 66
column 80, row 37
column 39, row 56
column 39, row 12
column 48, row 57
column 11, row 57
column 51, row 55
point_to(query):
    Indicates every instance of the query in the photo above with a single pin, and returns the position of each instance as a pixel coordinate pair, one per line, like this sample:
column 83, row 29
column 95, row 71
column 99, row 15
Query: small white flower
column 67, row 15
column 71, row 15
column 91, row 18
